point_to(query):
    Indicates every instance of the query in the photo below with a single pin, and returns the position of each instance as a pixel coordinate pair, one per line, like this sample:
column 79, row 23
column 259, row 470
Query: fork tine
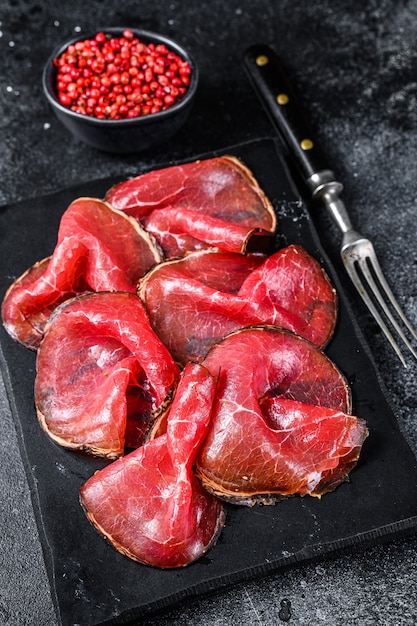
column 351, row 270
column 382, row 301
column 351, row 264
column 378, row 271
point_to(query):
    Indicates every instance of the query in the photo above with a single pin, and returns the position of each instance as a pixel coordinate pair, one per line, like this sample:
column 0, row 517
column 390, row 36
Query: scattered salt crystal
column 77, row 29
column 12, row 44
column 9, row 89
column 56, row 23
column 171, row 22
column 46, row 126
column 1, row 33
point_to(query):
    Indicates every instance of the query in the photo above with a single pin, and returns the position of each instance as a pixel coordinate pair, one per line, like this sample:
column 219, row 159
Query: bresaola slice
column 179, row 230
column 193, row 302
column 320, row 439
column 149, row 504
column 280, row 424
column 205, row 203
column 98, row 249
column 101, row 371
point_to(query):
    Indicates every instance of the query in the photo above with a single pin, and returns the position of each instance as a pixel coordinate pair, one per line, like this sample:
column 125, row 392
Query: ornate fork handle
column 270, row 83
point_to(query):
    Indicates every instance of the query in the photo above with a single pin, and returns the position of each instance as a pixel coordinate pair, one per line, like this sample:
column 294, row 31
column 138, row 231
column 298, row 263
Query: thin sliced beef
column 169, row 225
column 200, row 204
column 101, row 371
column 294, row 291
column 281, row 422
column 191, row 310
column 98, row 249
column 149, row 504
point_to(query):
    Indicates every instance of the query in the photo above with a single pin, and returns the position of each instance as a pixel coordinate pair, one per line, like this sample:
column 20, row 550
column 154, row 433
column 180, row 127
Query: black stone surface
column 355, row 65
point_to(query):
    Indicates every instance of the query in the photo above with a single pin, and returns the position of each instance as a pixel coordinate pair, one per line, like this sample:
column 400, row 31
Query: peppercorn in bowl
column 121, row 90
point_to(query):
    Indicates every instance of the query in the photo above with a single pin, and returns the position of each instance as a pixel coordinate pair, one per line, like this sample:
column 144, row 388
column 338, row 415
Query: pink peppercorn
column 136, row 78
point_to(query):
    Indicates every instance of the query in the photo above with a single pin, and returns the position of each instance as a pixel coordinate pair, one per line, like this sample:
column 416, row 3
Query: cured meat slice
column 169, row 225
column 281, row 422
column 318, row 438
column 296, row 291
column 195, row 301
column 217, row 269
column 199, row 204
column 98, row 249
column 101, row 371
column 149, row 504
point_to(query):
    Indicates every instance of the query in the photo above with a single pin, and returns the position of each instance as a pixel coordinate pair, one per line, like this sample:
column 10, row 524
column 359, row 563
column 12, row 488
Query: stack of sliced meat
column 170, row 272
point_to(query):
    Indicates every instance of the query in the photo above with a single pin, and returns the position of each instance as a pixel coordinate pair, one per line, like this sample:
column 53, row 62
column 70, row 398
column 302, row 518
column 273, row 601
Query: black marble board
column 92, row 583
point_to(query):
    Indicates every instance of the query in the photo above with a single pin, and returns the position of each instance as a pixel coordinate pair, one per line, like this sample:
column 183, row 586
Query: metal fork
column 265, row 72
column 362, row 265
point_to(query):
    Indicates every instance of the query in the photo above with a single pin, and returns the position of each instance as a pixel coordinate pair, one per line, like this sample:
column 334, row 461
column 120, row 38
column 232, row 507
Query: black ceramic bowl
column 123, row 136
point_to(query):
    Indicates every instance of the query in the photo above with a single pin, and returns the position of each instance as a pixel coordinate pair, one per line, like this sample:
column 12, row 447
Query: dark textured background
column 355, row 65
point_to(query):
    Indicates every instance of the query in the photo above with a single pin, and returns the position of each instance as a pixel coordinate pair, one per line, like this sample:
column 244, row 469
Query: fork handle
column 269, row 81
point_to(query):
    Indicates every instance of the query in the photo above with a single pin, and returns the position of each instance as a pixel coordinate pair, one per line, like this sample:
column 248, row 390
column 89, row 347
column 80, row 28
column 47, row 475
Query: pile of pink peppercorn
column 110, row 77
